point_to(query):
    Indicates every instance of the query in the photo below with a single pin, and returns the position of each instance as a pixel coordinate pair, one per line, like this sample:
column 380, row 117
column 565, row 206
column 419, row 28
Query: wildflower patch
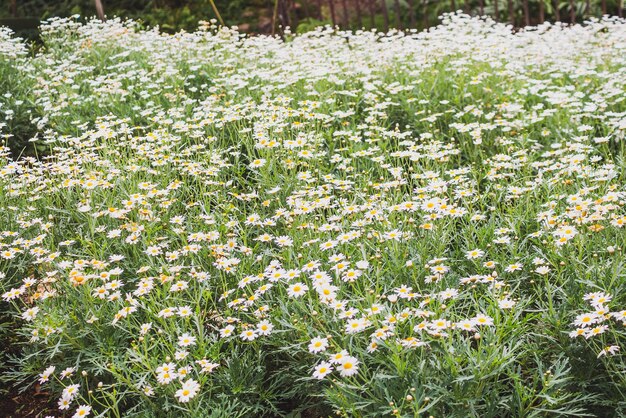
column 350, row 223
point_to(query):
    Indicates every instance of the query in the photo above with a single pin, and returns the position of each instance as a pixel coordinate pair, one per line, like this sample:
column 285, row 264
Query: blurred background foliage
column 268, row 16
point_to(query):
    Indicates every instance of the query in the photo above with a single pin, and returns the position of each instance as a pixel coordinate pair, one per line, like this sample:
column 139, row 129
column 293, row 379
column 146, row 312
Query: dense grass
column 206, row 221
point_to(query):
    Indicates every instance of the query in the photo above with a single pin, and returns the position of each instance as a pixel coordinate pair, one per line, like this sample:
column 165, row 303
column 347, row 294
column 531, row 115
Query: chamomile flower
column 186, row 340
column 318, row 345
column 322, row 370
column 297, row 290
column 348, row 366
column 188, row 391
column 474, row 254
column 82, row 411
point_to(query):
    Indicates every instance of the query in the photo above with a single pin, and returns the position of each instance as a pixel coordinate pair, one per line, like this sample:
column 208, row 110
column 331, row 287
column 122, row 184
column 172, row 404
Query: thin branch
column 217, row 13
column 99, row 10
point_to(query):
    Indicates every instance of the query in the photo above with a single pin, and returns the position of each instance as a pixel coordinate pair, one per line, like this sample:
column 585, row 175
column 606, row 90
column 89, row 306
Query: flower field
column 361, row 224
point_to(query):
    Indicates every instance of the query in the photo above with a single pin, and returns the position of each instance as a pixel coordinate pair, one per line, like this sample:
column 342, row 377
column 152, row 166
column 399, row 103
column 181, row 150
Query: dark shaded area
column 31, row 404
column 268, row 16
